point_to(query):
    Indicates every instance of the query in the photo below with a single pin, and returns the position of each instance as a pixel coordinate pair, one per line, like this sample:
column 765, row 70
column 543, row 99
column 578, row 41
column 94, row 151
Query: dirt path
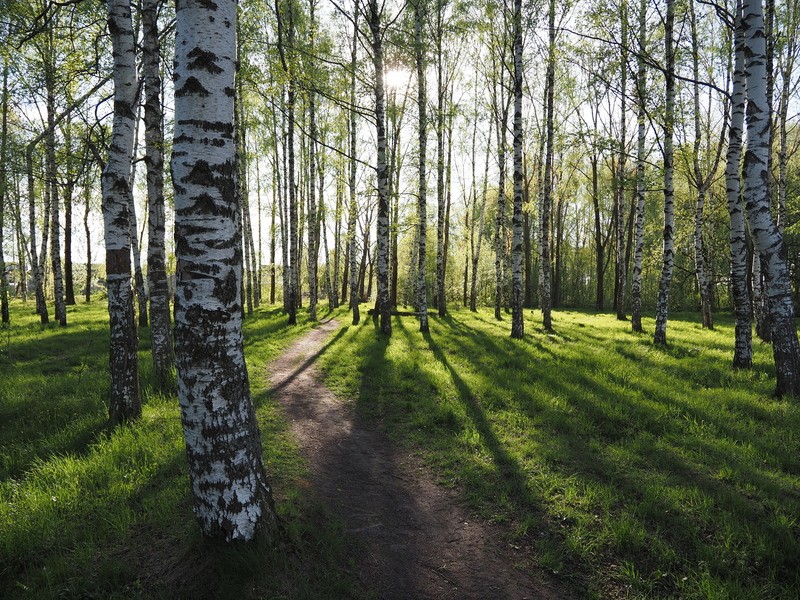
column 418, row 540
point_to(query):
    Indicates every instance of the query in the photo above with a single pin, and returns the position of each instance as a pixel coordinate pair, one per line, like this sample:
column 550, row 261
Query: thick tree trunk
column 766, row 237
column 662, row 305
column 160, row 326
column 124, row 403
column 232, row 497
column 517, row 321
column 743, row 331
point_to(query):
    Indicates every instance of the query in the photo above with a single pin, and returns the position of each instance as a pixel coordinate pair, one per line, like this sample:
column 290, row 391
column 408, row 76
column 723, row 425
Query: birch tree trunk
column 545, row 299
column 743, row 330
column 4, row 315
column 703, row 282
column 160, row 326
column 641, row 109
column 766, row 237
column 476, row 257
column 71, row 179
column 382, row 249
column 517, row 321
column 422, row 213
column 313, row 242
column 620, row 191
column 501, row 114
column 441, row 303
column 352, row 215
column 232, row 496
column 124, row 402
column 662, row 304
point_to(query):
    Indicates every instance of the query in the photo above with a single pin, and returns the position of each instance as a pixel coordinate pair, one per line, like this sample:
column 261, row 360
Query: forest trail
column 415, row 539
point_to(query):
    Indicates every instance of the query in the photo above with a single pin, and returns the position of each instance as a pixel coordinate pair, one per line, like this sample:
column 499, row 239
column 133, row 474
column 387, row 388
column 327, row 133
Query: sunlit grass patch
column 631, row 469
column 88, row 512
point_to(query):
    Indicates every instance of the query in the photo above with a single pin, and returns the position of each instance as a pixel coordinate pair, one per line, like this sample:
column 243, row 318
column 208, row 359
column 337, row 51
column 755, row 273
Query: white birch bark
column 382, row 169
column 701, row 271
column 766, row 237
column 313, row 242
column 352, row 216
column 517, row 321
column 232, row 497
column 743, row 330
column 620, row 176
column 662, row 303
column 422, row 213
column 124, row 402
column 441, row 301
column 545, row 297
column 4, row 315
column 641, row 98
column 160, row 325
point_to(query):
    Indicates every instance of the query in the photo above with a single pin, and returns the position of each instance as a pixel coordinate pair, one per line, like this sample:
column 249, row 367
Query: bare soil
column 414, row 538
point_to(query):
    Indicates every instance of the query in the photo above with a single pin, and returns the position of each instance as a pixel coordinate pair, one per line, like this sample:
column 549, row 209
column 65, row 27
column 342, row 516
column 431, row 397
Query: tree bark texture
column 641, row 114
column 766, row 237
column 160, row 325
column 422, row 213
column 662, row 303
column 517, row 321
column 124, row 402
column 232, row 496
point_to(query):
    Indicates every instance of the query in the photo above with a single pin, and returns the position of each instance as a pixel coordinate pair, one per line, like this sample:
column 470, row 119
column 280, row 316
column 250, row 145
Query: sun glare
column 396, row 78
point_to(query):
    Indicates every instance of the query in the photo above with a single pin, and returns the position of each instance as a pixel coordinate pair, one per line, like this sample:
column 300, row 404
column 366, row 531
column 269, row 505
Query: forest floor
column 412, row 537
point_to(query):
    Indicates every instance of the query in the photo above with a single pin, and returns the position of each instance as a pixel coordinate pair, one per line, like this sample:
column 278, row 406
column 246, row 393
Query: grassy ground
column 90, row 513
column 631, row 470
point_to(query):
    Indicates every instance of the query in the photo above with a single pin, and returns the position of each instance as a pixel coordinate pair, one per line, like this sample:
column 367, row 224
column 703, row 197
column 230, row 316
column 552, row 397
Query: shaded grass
column 632, row 470
column 90, row 513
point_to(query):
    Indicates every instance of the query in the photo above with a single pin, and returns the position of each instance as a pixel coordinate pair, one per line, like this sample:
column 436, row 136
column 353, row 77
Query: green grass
column 86, row 512
column 631, row 470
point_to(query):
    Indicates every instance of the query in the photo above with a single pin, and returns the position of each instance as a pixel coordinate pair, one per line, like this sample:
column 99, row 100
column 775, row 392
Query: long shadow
column 613, row 429
column 308, row 362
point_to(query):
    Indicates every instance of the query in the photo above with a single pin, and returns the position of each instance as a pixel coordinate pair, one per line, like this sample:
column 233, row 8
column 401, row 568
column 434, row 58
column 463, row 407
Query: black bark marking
column 192, row 85
column 227, row 290
column 203, row 60
column 200, row 174
column 223, row 127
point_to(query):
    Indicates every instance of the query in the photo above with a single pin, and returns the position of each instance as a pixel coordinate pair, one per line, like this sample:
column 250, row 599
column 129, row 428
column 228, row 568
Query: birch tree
column 641, row 114
column 232, row 496
column 517, row 321
column 124, row 402
column 545, row 299
column 668, row 263
column 422, row 213
column 160, row 326
column 766, row 237
column 743, row 330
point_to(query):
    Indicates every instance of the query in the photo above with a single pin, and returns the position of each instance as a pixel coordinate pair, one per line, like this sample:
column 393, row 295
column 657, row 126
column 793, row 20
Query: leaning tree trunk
column 382, row 249
column 662, row 305
column 232, row 497
column 124, row 403
column 743, row 331
column 766, row 237
column 517, row 322
column 160, row 326
column 641, row 108
column 422, row 214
